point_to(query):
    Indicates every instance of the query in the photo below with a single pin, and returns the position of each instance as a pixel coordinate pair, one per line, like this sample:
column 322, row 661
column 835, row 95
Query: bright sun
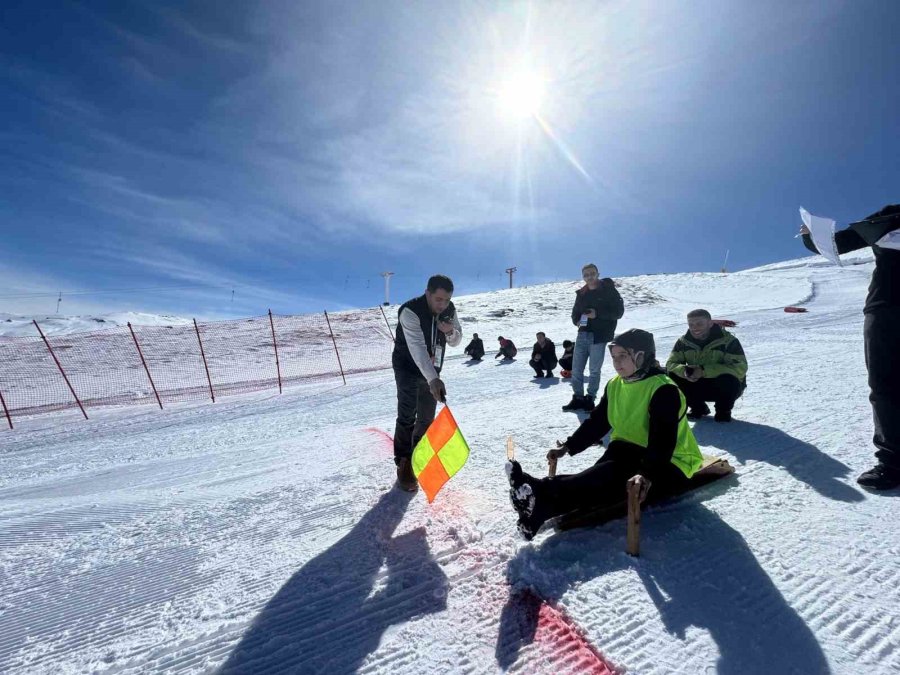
column 521, row 95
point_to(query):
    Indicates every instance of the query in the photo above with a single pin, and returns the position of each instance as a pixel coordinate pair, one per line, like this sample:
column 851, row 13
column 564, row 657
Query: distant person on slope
column 565, row 361
column 881, row 335
column 598, row 307
column 475, row 349
column 427, row 324
column 644, row 411
column 543, row 356
column 507, row 349
column 708, row 364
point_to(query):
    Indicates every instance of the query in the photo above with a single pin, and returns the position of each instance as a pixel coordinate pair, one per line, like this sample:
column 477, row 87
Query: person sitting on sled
column 645, row 412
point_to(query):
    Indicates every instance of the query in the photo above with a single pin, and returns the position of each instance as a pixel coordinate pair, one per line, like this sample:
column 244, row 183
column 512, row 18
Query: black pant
column 604, row 484
column 724, row 390
column 566, row 363
column 542, row 364
column 415, row 412
column 882, row 337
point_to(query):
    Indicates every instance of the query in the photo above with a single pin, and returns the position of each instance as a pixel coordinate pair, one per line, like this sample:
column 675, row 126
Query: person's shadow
column 326, row 618
column 545, row 382
column 472, row 362
column 697, row 570
column 760, row 442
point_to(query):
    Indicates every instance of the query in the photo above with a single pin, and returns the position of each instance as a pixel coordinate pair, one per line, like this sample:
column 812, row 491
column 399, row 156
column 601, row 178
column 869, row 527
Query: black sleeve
column 844, row 241
column 664, row 408
column 576, row 310
column 612, row 306
column 592, row 430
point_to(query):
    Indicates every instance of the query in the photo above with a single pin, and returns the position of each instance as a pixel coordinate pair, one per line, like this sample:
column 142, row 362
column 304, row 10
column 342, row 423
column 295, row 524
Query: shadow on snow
column 331, row 614
column 696, row 569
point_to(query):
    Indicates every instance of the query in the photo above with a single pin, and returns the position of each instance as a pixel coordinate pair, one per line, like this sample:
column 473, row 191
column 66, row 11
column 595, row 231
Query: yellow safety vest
column 629, row 403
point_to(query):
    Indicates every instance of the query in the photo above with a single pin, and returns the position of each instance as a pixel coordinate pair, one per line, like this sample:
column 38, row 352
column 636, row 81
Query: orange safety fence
column 186, row 362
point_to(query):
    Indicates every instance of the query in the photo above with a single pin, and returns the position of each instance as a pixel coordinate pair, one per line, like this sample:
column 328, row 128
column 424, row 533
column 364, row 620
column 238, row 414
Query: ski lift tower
column 510, row 271
column 387, row 287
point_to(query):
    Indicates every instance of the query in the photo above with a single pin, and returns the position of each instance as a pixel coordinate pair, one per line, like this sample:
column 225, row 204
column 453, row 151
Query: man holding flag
column 426, row 325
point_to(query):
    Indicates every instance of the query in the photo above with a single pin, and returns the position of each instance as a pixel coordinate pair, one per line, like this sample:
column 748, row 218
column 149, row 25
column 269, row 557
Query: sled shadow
column 331, row 614
column 749, row 441
column 697, row 571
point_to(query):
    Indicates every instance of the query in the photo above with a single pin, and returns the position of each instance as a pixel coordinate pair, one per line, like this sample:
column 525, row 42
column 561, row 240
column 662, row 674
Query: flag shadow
column 705, row 577
column 762, row 443
column 305, row 626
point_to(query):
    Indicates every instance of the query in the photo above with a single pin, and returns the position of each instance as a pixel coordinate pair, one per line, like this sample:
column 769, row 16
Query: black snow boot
column 698, row 411
column 880, row 477
column 577, row 403
column 588, row 403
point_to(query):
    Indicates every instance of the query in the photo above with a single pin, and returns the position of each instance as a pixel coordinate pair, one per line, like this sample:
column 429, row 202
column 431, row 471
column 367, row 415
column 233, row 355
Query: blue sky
column 157, row 156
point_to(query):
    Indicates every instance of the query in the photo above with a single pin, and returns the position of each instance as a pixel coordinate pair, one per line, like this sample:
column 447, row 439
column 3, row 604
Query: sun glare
column 521, row 95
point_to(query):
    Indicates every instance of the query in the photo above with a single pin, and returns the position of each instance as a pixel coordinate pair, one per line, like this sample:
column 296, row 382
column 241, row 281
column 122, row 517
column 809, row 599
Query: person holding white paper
column 881, row 231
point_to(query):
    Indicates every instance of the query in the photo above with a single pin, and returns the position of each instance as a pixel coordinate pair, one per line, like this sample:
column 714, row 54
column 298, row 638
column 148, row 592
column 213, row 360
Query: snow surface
column 260, row 534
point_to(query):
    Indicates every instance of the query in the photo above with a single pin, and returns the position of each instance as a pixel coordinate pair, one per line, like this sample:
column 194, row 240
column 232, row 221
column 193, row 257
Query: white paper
column 890, row 240
column 822, row 232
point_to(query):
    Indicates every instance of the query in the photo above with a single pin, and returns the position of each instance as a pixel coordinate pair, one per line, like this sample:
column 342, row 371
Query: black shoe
column 538, row 376
column 577, row 403
column 723, row 415
column 406, row 479
column 880, row 477
column 695, row 413
column 588, row 403
column 521, row 494
column 549, row 373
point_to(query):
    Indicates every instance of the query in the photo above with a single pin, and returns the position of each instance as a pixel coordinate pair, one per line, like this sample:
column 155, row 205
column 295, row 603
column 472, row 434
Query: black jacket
column 546, row 354
column 475, row 348
column 435, row 340
column 606, row 302
column 884, row 289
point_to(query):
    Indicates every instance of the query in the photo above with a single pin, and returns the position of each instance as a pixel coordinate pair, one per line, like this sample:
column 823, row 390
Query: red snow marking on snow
column 557, row 630
column 387, row 441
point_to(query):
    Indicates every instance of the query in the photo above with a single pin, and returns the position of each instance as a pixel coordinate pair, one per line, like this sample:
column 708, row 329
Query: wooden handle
column 551, row 468
column 510, row 448
column 633, row 528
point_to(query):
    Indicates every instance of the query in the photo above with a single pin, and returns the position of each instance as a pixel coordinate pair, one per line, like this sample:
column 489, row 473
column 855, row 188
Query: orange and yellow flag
column 440, row 454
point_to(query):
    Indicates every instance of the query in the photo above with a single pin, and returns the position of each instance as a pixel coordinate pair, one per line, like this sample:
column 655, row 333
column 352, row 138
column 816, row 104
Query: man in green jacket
column 708, row 364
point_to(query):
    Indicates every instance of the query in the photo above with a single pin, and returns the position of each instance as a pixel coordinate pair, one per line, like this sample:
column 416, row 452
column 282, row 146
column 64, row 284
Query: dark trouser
column 882, row 338
column 509, row 352
column 603, row 484
column 476, row 354
column 541, row 365
column 724, row 390
column 415, row 412
column 566, row 363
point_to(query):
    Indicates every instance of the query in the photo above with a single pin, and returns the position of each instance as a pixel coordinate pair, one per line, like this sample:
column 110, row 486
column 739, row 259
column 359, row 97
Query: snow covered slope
column 259, row 534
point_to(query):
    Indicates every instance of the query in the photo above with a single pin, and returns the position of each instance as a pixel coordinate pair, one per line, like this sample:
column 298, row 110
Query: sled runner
column 712, row 469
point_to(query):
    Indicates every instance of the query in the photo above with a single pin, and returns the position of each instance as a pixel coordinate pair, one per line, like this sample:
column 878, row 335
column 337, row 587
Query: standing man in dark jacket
column 543, row 356
column 598, row 307
column 881, row 334
column 427, row 324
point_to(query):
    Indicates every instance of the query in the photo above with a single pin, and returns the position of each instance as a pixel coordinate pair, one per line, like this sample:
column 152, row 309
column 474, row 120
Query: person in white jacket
column 427, row 324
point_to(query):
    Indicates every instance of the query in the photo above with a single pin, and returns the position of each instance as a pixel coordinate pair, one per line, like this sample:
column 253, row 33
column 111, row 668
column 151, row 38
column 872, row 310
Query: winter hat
column 637, row 340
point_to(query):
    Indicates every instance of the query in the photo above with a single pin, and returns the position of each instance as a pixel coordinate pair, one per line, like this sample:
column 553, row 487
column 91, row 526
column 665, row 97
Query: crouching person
column 644, row 411
column 708, row 364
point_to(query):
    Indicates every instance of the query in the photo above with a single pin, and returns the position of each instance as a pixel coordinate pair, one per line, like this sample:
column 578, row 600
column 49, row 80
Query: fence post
column 275, row 343
column 6, row 410
column 59, row 365
column 331, row 332
column 146, row 369
column 386, row 323
column 203, row 354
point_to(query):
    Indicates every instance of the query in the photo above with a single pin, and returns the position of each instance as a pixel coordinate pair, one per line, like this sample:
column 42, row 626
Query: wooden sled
column 712, row 469
column 795, row 310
